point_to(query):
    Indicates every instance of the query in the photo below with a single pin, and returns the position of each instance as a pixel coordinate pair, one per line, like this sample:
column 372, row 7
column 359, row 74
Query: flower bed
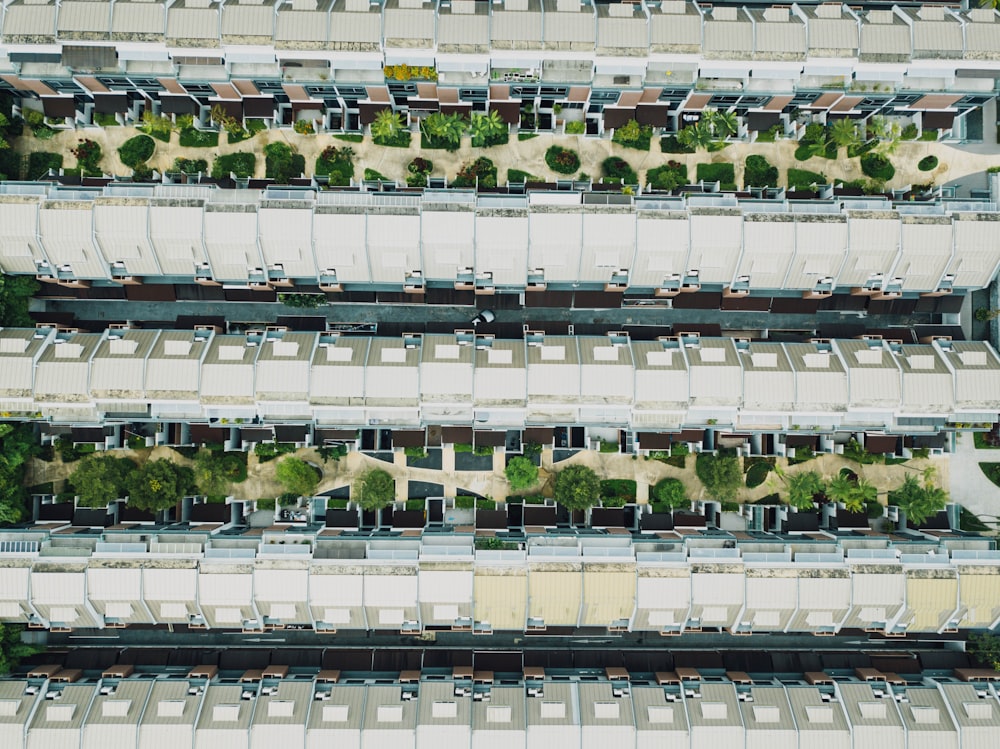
column 337, row 164
column 136, row 151
column 928, row 163
column 562, row 160
column 241, row 164
column 723, row 173
column 877, row 166
column 615, row 169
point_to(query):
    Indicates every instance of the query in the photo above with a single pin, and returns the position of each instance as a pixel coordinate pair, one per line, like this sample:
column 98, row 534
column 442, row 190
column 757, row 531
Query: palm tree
column 840, row 489
column 919, row 502
column 486, row 127
column 844, row 132
column 802, row 487
column 724, row 124
column 447, row 127
column 698, row 135
column 386, row 124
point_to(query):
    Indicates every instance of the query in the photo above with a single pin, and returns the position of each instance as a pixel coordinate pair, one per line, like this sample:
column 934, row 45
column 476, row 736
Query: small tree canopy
column 158, row 484
column 672, row 493
column 298, row 477
column 521, row 473
column 720, row 474
column 376, row 489
column 215, row 471
column 577, row 487
column 802, row 487
column 101, row 479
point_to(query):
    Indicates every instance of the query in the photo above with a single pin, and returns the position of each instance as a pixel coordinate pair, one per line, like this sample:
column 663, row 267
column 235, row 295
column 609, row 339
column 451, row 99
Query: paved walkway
column 969, row 486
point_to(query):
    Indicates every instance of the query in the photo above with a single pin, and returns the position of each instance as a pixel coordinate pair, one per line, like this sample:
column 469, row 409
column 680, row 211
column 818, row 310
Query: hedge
column 241, row 164
column 39, row 163
column 724, row 173
column 562, row 160
column 877, row 166
column 927, row 163
column 615, row 168
column 136, row 151
column 802, row 179
column 759, row 172
column 193, row 138
column 282, row 164
column 670, row 176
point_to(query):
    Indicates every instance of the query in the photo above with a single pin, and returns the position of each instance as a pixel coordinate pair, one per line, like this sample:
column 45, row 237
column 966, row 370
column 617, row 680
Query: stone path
column 968, row 484
column 527, row 155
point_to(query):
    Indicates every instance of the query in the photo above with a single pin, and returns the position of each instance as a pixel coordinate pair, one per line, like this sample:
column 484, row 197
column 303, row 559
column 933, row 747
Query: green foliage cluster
column 531, row 449
column 615, row 169
column 88, row 156
column 483, row 450
column 462, row 447
column 521, row 473
column 241, row 164
column 720, row 474
column 337, row 164
column 495, row 544
column 442, row 131
column 579, row 127
column 36, row 121
column 387, row 130
column 417, row 453
column 671, row 144
column 985, row 648
column 303, row 301
column 918, row 501
column 158, row 485
column 526, row 136
column 488, row 129
column 191, row 137
column 562, row 160
column 12, row 649
column 816, row 141
column 769, row 135
column 802, row 179
column 332, row 452
column 909, row 132
column 577, row 487
column 417, row 172
column 517, row 175
column 759, row 172
column 304, row 127
column 481, row 172
column 281, row 162
column 158, row 126
column 266, row 451
column 860, row 149
column 136, row 151
column 991, row 471
column 617, row 492
column 633, row 135
column 376, row 489
column 214, row 470
column 928, row 163
column 757, row 472
column 854, row 493
column 466, row 502
column 374, row 174
column 802, row 454
column 17, row 445
column 298, row 477
column 803, row 488
column 101, row 479
column 40, row 162
column 669, row 494
column 877, row 166
column 668, row 177
column 724, row 173
column 190, row 166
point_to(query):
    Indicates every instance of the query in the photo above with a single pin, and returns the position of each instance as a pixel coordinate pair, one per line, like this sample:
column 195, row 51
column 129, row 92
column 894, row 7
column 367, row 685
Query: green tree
column 386, row 124
column 12, row 649
column 15, row 293
column 447, row 127
column 376, row 489
column 720, row 474
column 486, row 127
column 844, row 132
column 215, row 471
column 158, row 485
column 696, row 136
column 298, row 477
column 802, row 487
column 101, row 479
column 671, row 492
column 985, row 648
column 577, row 487
column 521, row 473
column 723, row 124
column 919, row 502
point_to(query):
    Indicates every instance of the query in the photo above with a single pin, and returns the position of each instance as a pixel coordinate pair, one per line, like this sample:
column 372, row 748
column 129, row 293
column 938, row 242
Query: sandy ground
column 261, row 483
column 526, row 155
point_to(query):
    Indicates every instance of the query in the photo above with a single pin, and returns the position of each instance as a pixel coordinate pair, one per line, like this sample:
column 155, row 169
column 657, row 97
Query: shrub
column 757, row 473
column 191, row 137
column 158, row 484
column 100, row 479
column 375, row 174
column 723, row 173
column 562, row 160
column 927, row 163
column 516, row 175
column 376, row 489
column 802, row 179
column 483, row 450
column 136, row 150
column 720, row 474
column 462, row 447
column 481, row 173
column 266, row 451
column 88, row 155
column 577, row 487
column 909, row 132
column 670, row 176
column 615, row 169
column 282, row 163
column 526, row 136
column 190, row 166
column 39, row 163
column 618, row 488
column 759, row 172
column 877, row 166
column 577, row 127
column 670, row 492
column 670, row 144
column 241, row 164
column 298, row 477
column 633, row 135
column 521, row 473
column 304, row 127
column 337, row 164
column 860, row 150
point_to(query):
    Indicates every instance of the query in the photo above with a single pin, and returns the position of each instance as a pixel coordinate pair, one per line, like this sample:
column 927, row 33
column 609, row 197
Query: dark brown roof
column 59, row 106
column 492, row 439
column 110, row 103
column 654, row 441
column 655, row 115
column 457, row 435
column 409, row 438
column 538, row 435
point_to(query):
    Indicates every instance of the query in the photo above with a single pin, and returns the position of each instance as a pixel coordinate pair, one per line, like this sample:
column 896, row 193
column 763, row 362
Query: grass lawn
column 516, row 175
column 803, row 179
column 399, row 140
column 723, row 173
column 105, row 119
column 193, row 138
column 349, row 137
column 39, row 163
column 992, row 471
column 240, row 164
column 526, row 136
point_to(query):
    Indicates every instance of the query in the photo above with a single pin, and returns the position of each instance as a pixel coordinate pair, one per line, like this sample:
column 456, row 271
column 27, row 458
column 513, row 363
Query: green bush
column 266, row 503
column 417, row 453
column 39, row 163
column 802, row 179
column 136, row 151
column 670, row 494
column 241, row 164
column 577, row 487
column 562, row 160
column 376, row 489
column 759, row 172
column 670, row 176
column 481, row 172
column 928, row 163
column 909, row 132
column 350, row 137
column 579, row 127
column 521, row 473
column 462, row 447
column 256, row 126
column 615, row 168
column 633, row 135
column 282, row 164
column 266, row 451
column 526, row 136
column 372, row 174
column 720, row 474
column 190, row 166
column 516, row 175
column 337, row 164
column 618, row 488
column 860, row 150
column 929, row 135
column 298, row 477
column 399, row 139
column 723, row 173
column 483, row 450
column 877, row 166
column 670, row 144
column 191, row 137
column 757, row 474
column 88, row 156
